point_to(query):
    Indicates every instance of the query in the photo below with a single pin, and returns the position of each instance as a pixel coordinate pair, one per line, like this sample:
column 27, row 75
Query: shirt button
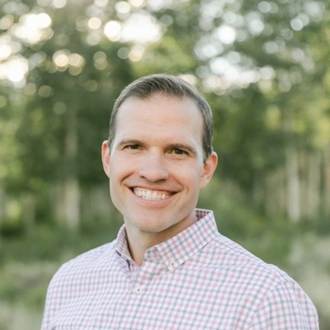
column 138, row 289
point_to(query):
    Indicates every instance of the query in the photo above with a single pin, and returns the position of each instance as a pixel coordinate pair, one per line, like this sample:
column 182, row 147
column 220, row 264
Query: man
column 169, row 267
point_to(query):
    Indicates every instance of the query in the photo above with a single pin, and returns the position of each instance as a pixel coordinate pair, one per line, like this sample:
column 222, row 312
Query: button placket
column 143, row 276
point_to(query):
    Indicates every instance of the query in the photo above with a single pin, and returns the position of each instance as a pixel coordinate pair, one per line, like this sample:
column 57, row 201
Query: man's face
column 155, row 164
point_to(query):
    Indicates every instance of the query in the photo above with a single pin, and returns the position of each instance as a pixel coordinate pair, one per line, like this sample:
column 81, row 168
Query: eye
column 178, row 152
column 133, row 147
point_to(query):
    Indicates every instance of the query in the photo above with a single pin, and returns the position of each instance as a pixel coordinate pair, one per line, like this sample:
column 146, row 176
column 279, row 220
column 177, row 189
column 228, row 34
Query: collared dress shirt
column 198, row 279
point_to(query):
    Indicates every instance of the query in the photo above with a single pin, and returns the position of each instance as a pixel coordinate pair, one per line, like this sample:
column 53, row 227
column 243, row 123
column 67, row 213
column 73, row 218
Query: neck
column 137, row 247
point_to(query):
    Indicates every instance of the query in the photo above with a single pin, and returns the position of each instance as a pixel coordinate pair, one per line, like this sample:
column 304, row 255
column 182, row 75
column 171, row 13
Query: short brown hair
column 168, row 85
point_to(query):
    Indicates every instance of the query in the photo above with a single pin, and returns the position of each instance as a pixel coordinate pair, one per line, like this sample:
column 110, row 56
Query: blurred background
column 264, row 68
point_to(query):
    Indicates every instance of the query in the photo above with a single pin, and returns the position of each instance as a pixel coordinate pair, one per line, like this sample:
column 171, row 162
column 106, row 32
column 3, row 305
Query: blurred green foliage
column 262, row 65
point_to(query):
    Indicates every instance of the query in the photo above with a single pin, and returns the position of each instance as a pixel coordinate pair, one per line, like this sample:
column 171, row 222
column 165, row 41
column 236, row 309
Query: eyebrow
column 129, row 141
column 169, row 146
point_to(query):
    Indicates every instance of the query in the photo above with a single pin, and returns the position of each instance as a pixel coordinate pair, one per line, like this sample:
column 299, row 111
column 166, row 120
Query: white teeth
column 152, row 195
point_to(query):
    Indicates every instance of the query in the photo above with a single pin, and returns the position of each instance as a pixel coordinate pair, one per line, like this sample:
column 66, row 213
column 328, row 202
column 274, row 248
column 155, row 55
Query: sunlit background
column 263, row 66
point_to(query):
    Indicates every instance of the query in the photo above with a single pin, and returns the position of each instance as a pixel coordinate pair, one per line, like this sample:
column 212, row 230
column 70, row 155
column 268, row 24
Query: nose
column 153, row 168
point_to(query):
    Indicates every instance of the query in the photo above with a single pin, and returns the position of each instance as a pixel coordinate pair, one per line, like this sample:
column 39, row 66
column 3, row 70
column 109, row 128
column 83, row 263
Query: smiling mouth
column 151, row 195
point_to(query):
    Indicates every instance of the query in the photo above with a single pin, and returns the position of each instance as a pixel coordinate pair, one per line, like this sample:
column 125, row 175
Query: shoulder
column 285, row 304
column 82, row 264
column 241, row 264
column 75, row 278
column 226, row 253
column 271, row 296
column 89, row 257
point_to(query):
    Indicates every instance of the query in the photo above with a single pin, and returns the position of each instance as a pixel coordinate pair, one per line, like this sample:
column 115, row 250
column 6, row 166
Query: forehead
column 159, row 113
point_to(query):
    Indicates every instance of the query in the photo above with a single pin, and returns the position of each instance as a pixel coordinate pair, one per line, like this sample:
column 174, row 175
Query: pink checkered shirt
column 198, row 279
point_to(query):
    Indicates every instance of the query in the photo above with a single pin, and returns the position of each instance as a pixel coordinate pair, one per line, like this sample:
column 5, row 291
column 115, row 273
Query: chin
column 151, row 226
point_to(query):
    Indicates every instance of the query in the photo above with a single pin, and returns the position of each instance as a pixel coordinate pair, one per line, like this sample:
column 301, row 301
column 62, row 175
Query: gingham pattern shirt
column 198, row 279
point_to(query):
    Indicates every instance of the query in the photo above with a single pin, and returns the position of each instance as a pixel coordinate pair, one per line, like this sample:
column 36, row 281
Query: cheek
column 190, row 177
column 119, row 168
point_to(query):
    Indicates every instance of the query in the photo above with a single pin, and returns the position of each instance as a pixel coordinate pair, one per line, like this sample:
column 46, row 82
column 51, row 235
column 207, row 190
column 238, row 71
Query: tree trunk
column 326, row 195
column 71, row 202
column 28, row 215
column 2, row 204
column 2, row 207
column 70, row 198
column 282, row 191
column 313, row 185
column 274, row 199
column 293, row 185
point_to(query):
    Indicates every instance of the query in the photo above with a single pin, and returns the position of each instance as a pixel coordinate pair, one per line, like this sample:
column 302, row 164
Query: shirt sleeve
column 53, row 299
column 286, row 307
column 47, row 315
column 45, row 318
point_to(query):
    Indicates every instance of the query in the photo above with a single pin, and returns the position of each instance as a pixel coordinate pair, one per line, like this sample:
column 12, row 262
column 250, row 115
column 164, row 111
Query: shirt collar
column 178, row 249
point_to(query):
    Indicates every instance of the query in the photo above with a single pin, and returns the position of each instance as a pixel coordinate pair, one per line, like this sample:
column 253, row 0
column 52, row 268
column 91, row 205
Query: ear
column 209, row 167
column 105, row 153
